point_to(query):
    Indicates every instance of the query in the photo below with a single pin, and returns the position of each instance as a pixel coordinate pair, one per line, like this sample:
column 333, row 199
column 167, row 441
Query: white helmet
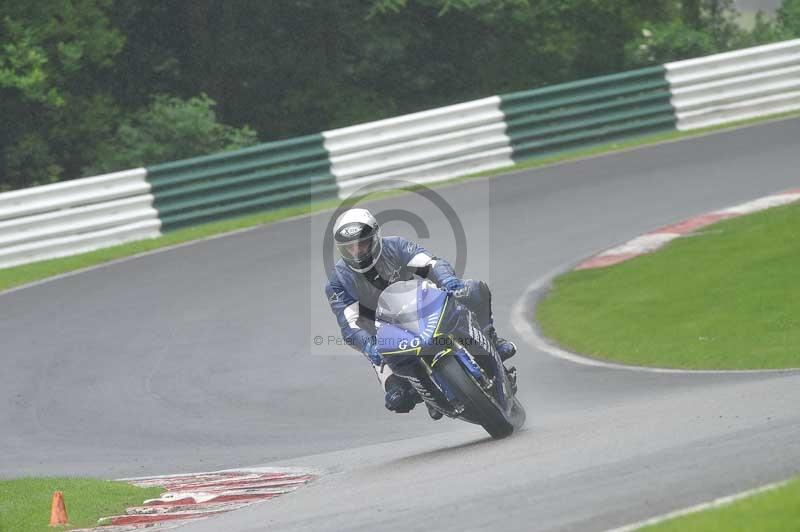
column 358, row 239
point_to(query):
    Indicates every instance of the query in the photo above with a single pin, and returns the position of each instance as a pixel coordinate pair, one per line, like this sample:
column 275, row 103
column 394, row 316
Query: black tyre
column 477, row 404
column 517, row 414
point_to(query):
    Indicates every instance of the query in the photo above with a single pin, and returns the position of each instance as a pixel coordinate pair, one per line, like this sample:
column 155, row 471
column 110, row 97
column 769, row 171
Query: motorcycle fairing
column 395, row 339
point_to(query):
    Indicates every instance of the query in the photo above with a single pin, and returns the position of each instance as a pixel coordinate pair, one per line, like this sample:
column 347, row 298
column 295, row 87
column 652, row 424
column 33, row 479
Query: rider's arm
column 427, row 266
column 345, row 307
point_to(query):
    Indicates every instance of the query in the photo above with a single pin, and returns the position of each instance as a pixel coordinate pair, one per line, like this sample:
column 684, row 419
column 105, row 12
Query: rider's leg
column 478, row 298
column 383, row 372
column 400, row 396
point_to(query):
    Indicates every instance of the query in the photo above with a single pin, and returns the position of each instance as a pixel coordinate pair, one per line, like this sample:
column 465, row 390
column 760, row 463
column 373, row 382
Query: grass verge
column 28, row 273
column 723, row 298
column 775, row 510
column 25, row 503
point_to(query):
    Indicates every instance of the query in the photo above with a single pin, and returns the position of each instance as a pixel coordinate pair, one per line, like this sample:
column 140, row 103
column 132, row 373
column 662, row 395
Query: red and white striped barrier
column 202, row 495
column 654, row 240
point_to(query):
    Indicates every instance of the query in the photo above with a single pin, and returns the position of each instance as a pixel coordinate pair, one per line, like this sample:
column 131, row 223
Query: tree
column 55, row 59
column 703, row 27
column 789, row 18
column 77, row 77
column 169, row 129
column 672, row 41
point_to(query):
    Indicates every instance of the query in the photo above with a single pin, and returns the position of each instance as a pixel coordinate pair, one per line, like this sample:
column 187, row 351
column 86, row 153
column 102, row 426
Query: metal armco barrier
column 75, row 216
column 438, row 144
column 421, row 147
column 592, row 111
column 259, row 178
column 736, row 85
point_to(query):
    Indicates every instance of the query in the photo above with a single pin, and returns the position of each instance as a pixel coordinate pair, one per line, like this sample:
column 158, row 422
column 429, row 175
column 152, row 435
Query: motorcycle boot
column 505, row 348
column 401, row 397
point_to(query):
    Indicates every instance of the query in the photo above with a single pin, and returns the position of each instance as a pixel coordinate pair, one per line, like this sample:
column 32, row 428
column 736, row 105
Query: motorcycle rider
column 369, row 263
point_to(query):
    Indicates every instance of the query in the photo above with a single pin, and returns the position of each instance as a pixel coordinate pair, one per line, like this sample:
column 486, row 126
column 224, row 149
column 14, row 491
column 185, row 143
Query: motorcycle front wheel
column 477, row 404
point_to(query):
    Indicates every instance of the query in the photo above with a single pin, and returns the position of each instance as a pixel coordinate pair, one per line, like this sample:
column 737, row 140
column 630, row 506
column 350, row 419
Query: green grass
column 28, row 273
column 724, row 298
column 775, row 510
column 25, row 503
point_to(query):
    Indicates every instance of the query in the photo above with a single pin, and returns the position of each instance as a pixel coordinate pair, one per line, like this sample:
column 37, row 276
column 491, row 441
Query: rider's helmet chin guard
column 357, row 236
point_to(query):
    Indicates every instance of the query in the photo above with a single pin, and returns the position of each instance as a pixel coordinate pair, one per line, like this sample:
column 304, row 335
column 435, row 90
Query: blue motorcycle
column 426, row 336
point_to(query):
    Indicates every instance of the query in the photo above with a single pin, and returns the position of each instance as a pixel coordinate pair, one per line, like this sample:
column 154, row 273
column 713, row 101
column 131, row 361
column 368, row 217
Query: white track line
column 522, row 310
column 716, row 503
column 522, row 321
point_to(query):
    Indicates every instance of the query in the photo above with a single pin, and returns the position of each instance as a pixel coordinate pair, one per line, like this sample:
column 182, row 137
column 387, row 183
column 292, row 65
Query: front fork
column 491, row 375
column 441, row 386
column 467, row 362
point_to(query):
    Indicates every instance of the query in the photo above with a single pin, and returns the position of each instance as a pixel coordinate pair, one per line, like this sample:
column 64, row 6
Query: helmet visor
column 360, row 252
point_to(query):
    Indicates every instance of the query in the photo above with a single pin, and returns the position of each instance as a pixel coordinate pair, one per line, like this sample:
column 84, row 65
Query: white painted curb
column 522, row 310
column 195, row 496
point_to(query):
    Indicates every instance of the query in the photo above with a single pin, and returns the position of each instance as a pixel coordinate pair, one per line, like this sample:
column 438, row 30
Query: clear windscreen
column 397, row 304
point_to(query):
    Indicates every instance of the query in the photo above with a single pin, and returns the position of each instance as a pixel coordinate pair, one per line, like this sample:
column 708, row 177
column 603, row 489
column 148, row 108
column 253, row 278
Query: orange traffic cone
column 58, row 512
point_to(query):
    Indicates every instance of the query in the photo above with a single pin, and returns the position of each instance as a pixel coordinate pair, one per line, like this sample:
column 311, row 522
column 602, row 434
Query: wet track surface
column 200, row 358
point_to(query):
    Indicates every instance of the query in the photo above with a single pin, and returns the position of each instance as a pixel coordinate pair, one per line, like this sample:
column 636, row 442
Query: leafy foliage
column 705, row 27
column 56, row 58
column 78, row 78
column 789, row 18
column 169, row 129
column 668, row 42
column 30, row 155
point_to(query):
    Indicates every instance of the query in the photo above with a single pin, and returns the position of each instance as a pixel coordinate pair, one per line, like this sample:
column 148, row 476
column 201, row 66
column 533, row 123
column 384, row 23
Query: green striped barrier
column 561, row 117
column 67, row 218
column 455, row 140
column 264, row 177
column 299, row 170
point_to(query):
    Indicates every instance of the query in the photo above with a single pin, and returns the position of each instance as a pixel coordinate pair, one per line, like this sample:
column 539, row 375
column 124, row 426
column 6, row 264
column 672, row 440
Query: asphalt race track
column 200, row 358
